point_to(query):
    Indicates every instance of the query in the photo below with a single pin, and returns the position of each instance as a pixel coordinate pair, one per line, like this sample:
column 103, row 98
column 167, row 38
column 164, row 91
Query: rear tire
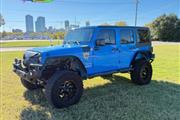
column 142, row 72
column 63, row 89
column 29, row 86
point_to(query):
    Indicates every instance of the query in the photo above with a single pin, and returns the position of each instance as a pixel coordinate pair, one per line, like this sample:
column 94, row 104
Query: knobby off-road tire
column 63, row 89
column 142, row 72
column 30, row 86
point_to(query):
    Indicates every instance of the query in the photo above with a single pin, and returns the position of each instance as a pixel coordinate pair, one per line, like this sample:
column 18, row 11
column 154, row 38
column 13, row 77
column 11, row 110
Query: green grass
column 103, row 99
column 29, row 43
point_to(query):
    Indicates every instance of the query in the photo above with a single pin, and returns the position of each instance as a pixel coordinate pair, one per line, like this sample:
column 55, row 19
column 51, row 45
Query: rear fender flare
column 141, row 55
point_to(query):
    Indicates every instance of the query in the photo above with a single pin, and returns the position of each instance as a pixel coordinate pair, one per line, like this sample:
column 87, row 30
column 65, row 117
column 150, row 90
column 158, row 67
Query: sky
column 95, row 11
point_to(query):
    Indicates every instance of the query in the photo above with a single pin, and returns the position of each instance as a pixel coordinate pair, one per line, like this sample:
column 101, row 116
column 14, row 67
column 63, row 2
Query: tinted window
column 126, row 36
column 108, row 35
column 144, row 36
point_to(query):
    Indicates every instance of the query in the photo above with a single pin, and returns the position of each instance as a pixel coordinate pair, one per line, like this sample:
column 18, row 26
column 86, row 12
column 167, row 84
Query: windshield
column 79, row 35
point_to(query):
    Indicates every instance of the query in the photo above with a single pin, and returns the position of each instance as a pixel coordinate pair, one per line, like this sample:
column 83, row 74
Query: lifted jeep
column 85, row 53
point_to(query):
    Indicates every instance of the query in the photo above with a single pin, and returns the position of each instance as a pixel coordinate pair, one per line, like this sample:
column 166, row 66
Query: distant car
column 85, row 53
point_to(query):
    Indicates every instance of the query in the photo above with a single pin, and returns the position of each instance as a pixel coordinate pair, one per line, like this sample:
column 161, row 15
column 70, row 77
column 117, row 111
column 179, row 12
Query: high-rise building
column 87, row 23
column 67, row 25
column 40, row 24
column 50, row 29
column 29, row 23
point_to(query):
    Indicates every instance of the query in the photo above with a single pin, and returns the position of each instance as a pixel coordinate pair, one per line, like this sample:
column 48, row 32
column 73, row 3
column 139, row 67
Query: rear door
column 126, row 47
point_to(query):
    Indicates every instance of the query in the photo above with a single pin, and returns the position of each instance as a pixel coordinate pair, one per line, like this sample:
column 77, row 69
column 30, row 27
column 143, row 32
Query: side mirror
column 100, row 42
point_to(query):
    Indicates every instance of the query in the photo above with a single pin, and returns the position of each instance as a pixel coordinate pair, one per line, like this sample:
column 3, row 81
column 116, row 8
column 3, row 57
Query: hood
column 59, row 50
column 51, row 48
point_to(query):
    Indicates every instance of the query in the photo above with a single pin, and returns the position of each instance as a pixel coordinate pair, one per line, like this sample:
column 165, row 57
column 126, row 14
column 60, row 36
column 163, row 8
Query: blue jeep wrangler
column 86, row 52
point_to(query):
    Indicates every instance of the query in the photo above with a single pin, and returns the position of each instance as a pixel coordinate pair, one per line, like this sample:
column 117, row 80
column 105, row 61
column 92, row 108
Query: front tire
column 29, row 86
column 64, row 88
column 142, row 72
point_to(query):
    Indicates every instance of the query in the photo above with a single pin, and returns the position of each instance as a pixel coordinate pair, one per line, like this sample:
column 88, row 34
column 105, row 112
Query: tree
column 2, row 22
column 4, row 34
column 121, row 23
column 165, row 28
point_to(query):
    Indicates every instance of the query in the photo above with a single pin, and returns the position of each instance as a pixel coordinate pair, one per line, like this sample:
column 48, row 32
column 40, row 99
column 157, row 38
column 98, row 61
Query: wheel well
column 71, row 63
column 141, row 55
column 77, row 65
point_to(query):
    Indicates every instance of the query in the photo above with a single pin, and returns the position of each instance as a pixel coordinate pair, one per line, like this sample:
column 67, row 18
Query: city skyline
column 80, row 11
column 34, row 26
column 39, row 25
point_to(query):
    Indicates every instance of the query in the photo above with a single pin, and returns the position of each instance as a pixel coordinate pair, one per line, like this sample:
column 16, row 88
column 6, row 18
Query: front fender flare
column 67, row 62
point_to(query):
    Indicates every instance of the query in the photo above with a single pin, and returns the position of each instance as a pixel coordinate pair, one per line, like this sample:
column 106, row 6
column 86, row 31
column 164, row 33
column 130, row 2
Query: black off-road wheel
column 29, row 85
column 64, row 89
column 142, row 72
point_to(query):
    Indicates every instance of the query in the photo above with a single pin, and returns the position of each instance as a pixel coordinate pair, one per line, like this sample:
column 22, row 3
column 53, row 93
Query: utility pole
column 137, row 3
column 75, row 20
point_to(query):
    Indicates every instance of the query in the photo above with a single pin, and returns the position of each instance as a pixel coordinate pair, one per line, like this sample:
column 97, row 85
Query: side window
column 108, row 35
column 126, row 36
column 144, row 36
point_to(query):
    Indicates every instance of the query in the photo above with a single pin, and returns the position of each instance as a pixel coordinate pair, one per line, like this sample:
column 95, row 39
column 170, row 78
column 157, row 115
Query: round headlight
column 39, row 59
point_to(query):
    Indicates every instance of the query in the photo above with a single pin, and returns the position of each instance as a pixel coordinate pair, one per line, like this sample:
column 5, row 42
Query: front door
column 105, row 57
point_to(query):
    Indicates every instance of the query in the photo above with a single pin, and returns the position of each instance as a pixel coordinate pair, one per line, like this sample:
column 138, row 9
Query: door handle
column 115, row 49
column 96, row 48
column 131, row 48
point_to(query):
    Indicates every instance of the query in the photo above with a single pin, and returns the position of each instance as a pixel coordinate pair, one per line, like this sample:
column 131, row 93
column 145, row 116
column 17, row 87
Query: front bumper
column 24, row 73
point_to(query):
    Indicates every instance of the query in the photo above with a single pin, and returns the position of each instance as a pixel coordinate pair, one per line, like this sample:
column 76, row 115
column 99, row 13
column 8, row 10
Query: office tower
column 29, row 23
column 40, row 24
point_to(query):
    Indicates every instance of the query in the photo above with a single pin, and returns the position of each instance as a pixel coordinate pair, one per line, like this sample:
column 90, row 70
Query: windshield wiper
column 72, row 42
column 76, row 42
column 66, row 42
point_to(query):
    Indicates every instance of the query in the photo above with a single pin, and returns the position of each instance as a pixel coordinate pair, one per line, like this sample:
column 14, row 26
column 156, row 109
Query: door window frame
column 133, row 36
column 141, row 44
column 115, row 35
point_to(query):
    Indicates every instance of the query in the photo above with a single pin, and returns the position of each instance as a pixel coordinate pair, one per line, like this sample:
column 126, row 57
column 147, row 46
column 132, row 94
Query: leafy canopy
column 165, row 28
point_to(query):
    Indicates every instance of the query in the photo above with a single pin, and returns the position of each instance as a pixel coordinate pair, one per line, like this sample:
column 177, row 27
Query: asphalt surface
column 25, row 48
column 14, row 49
